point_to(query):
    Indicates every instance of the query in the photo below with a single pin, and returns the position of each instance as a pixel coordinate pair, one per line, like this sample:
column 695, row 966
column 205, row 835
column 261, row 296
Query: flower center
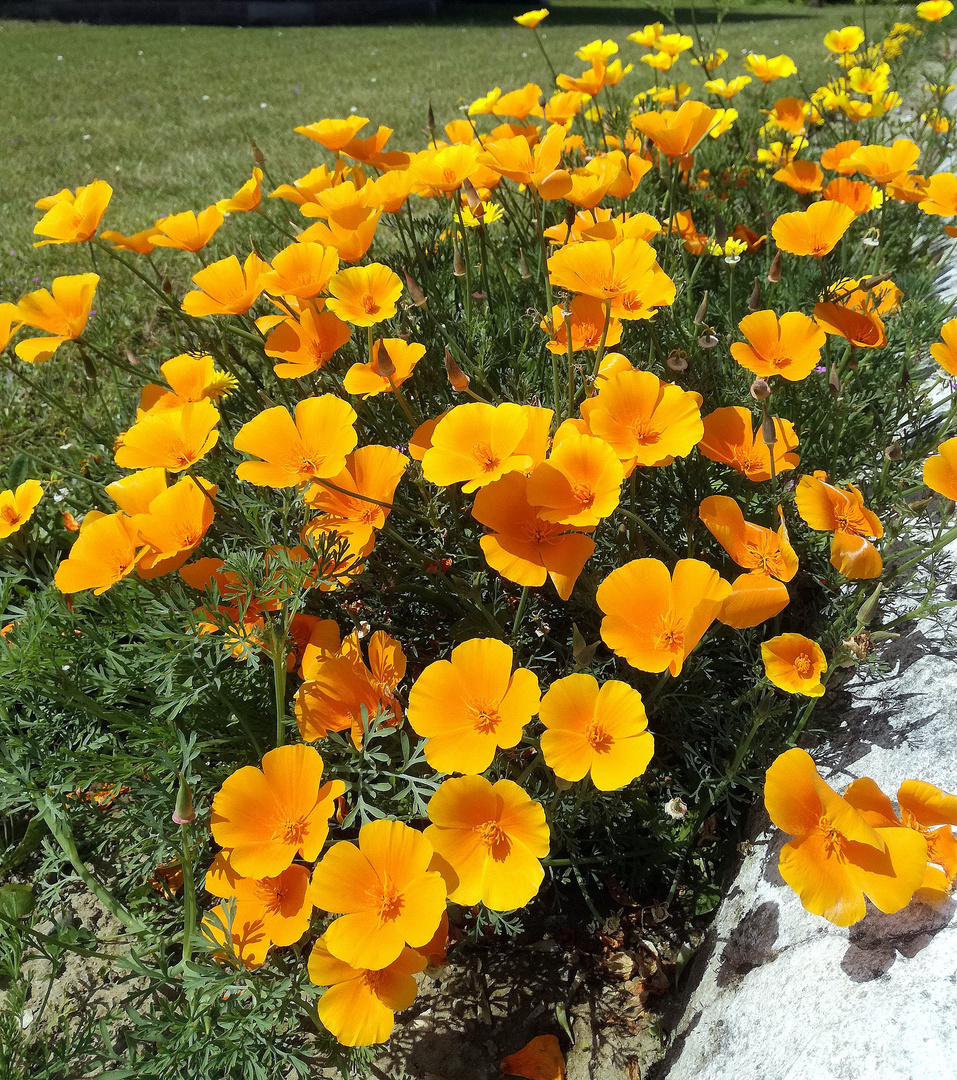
column 670, row 636
column 645, row 432
column 269, row 891
column 449, row 176
column 485, row 718
column 291, row 832
column 598, row 739
column 492, row 836
column 369, row 306
column 833, row 841
column 389, row 901
column 803, row 666
column 488, row 461
column 583, row 495
column 10, row 515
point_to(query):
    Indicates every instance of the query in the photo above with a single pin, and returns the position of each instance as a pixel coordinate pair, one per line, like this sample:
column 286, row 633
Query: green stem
column 189, row 896
column 278, row 654
column 647, row 529
column 517, row 623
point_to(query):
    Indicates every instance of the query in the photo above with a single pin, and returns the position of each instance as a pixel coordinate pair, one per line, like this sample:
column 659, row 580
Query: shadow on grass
column 455, row 13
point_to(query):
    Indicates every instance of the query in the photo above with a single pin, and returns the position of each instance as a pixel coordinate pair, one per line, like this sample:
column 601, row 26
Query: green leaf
column 16, row 900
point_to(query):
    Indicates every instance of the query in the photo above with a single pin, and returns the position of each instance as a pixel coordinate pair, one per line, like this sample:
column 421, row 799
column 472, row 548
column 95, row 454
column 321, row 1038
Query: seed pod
column 774, row 273
column 894, row 451
column 458, row 264
column 381, row 361
column 834, row 381
column 457, row 377
column 258, row 157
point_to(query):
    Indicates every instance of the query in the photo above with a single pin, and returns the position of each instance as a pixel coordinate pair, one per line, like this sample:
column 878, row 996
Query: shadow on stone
column 750, row 944
column 876, row 942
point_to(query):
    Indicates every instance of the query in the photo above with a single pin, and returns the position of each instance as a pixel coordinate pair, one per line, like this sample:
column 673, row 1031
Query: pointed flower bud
column 183, row 812
column 774, row 272
column 382, row 363
column 754, row 302
column 457, row 377
column 702, row 313
column 418, row 296
column 523, row 265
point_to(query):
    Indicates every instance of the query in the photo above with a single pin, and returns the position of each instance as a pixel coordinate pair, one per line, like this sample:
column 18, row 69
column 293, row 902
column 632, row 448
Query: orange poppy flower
column 884, row 164
column 307, row 187
column 832, row 509
column 768, row 556
column 789, row 346
column 70, row 221
column 391, row 191
column 814, row 231
column 63, row 312
column 16, row 507
column 174, row 524
column 302, row 270
column 313, row 446
column 9, row 324
column 248, row 942
column 599, row 270
column 729, row 439
column 265, row 818
column 769, row 68
column 836, row 858
column 538, row 167
column 861, row 328
column 540, row 1059
column 945, row 351
column 226, row 287
column 694, row 242
column 373, row 471
column 384, row 891
column 579, row 484
column 846, row 40
column 140, row 242
column 922, row 807
column 601, row 730
column 444, row 170
column 940, row 470
column 803, row 177
column 171, row 439
column 941, row 195
column 794, row 663
column 360, row 1005
column 307, row 344
column 247, row 198
column 676, row 133
column 339, row 696
column 788, row 114
column 190, row 378
column 836, row 158
column 587, row 323
column 333, row 134
column 654, row 620
column 364, row 295
column 644, row 420
column 475, row 444
column 106, row 550
column 370, row 149
column 857, row 194
column 134, row 493
column 523, row 547
column 468, row 705
column 365, row 379
column 187, row 231
column 488, row 839
column 282, row 904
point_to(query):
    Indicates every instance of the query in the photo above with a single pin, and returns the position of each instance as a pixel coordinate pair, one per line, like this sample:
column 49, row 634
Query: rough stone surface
column 784, row 995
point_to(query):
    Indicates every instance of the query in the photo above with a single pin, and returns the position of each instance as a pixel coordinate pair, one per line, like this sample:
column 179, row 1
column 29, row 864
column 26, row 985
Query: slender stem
column 646, row 528
column 467, row 259
column 517, row 623
column 189, row 895
column 278, row 654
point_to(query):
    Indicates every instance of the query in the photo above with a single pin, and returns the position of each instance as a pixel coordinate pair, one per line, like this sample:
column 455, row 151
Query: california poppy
column 579, row 483
column 306, row 344
column 226, row 287
column 788, row 345
column 595, row 729
column 540, row 1059
column 383, row 890
column 63, row 312
column 769, row 68
column 842, row 511
column 312, row 446
column 794, row 663
column 654, row 620
column 190, row 378
column 468, row 705
column 366, row 379
column 106, row 550
column 945, row 351
column 333, row 134
column 360, row 1005
column 597, row 269
column 475, row 444
column 16, row 507
column 814, row 231
column 264, row 818
column 729, row 438
column 302, row 270
column 523, row 546
column 172, row 439
column 72, row 221
column 247, row 198
column 836, row 858
column 940, row 470
column 488, row 840
column 176, row 521
column 187, row 231
column 364, row 295
column 884, row 164
column 940, row 195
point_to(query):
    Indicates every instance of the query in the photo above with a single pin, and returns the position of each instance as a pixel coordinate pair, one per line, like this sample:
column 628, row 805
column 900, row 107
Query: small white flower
column 263, row 105
column 59, row 58
column 675, row 808
column 353, row 109
column 85, row 137
column 205, row 97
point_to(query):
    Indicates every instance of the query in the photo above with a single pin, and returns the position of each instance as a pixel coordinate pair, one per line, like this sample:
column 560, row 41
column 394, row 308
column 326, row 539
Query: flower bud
column 754, row 302
column 774, row 273
column 834, row 381
column 457, row 377
column 381, row 361
column 894, row 451
column 702, row 313
column 472, row 197
column 183, row 812
column 167, row 285
column 458, row 264
column 720, row 229
column 768, row 434
column 418, row 296
column 258, row 157
column 523, row 269
column 760, row 390
column 430, row 121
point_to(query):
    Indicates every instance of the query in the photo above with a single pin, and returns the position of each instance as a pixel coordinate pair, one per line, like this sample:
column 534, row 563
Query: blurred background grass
column 165, row 114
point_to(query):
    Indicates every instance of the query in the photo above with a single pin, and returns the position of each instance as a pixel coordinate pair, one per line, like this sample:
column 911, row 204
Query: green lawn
column 165, row 113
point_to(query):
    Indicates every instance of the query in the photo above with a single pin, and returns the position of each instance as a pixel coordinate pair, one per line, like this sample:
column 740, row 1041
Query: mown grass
column 165, row 114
